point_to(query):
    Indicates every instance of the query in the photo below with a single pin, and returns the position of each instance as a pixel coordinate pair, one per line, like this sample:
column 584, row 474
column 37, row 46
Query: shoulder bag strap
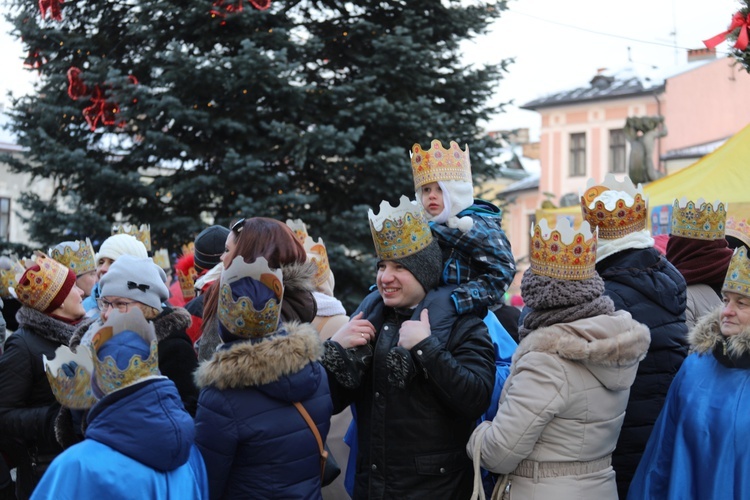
column 314, row 429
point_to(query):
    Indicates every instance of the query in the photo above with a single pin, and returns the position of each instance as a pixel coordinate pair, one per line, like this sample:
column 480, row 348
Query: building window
column 577, row 155
column 5, row 219
column 617, row 151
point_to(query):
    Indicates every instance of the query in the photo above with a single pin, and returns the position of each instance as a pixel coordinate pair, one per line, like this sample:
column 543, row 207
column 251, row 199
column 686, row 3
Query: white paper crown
column 399, row 231
column 563, row 252
column 615, row 216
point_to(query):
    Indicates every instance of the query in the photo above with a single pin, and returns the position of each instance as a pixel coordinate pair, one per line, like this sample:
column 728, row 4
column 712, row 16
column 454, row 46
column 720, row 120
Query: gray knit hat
column 209, row 245
column 136, row 279
column 426, row 265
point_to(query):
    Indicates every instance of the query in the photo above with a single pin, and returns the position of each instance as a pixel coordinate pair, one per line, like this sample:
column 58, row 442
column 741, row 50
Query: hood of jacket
column 706, row 334
column 171, row 320
column 282, row 365
column 146, row 422
column 45, row 326
column 298, row 303
column 610, row 346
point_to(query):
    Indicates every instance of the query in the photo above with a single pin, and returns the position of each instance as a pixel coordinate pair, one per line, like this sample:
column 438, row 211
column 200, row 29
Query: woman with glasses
column 273, row 240
column 129, row 283
column 51, row 309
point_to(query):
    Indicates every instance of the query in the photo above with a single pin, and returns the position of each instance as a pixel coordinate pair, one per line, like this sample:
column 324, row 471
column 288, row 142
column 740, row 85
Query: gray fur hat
column 136, row 279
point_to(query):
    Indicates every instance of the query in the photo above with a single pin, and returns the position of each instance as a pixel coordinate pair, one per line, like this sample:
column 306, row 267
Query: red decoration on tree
column 260, row 4
column 76, row 87
column 739, row 20
column 101, row 110
column 35, row 59
column 220, row 8
column 53, row 7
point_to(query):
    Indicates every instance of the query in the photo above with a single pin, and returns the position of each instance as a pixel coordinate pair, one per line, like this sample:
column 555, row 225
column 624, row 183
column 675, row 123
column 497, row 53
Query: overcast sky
column 557, row 45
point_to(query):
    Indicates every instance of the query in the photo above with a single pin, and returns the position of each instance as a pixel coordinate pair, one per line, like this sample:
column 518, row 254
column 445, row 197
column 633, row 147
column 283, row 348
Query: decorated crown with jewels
column 242, row 317
column 317, row 253
column 161, row 258
column 562, row 252
column 107, row 375
column 40, row 287
column 299, row 229
column 439, row 164
column 739, row 228
column 76, row 255
column 9, row 277
column 142, row 233
column 698, row 220
column 617, row 217
column 738, row 274
column 399, row 232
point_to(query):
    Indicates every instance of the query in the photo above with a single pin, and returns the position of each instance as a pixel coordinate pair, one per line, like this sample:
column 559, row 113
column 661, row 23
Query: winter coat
column 562, row 408
column 415, row 409
column 177, row 361
column 701, row 300
column 27, row 405
column 297, row 304
column 644, row 283
column 254, row 441
column 158, row 460
column 699, row 445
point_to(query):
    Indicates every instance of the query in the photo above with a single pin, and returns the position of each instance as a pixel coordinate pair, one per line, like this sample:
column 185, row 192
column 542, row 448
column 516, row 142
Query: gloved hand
column 70, row 369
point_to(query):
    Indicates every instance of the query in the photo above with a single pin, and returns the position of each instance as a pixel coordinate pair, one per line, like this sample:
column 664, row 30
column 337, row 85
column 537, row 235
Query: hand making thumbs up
column 413, row 332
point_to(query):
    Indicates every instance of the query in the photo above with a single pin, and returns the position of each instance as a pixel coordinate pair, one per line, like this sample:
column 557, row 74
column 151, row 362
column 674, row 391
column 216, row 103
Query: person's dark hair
column 258, row 237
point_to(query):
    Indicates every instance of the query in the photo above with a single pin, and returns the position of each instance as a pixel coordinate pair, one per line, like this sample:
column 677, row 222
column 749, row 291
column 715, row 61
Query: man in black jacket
column 419, row 375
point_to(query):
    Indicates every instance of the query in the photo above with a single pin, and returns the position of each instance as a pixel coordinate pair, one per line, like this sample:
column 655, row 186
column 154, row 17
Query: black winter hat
column 425, row 265
column 209, row 245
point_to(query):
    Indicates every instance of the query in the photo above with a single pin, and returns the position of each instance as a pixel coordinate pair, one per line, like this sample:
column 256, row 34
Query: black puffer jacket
column 415, row 409
column 27, row 405
column 645, row 284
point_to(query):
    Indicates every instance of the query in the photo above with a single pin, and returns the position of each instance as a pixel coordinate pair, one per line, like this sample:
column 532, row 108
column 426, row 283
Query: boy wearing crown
column 140, row 441
column 418, row 373
column 476, row 253
column 698, row 447
column 641, row 281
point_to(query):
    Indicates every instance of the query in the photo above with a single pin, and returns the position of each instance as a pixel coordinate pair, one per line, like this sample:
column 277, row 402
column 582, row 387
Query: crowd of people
column 623, row 376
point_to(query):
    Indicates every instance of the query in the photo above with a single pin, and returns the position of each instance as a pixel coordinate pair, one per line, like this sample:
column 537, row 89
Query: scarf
column 700, row 261
column 638, row 239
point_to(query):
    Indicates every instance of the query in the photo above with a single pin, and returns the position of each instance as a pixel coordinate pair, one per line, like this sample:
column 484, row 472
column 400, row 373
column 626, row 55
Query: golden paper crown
column 40, row 288
column 107, row 375
column 439, row 164
column 76, row 255
column 298, row 228
column 400, row 231
column 242, row 318
column 738, row 274
column 142, row 234
column 9, row 277
column 74, row 392
column 738, row 228
column 563, row 252
column 316, row 252
column 189, row 248
column 619, row 218
column 698, row 221
column 187, row 282
column 161, row 259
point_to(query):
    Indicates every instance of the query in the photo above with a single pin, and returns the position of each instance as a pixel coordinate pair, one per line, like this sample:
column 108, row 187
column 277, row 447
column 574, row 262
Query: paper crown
column 40, row 288
column 698, row 221
column 318, row 255
column 563, row 252
column 738, row 274
column 242, row 318
column 77, row 391
column 618, row 218
column 142, row 234
column 76, row 255
column 161, row 259
column 9, row 277
column 399, row 232
column 739, row 228
column 439, row 164
column 189, row 248
column 298, row 228
column 187, row 282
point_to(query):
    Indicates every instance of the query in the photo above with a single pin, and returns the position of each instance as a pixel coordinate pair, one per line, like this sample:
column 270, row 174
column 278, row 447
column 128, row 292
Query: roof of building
column 530, row 183
column 696, row 151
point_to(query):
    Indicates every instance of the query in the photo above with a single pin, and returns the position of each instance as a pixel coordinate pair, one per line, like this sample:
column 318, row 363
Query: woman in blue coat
column 256, row 444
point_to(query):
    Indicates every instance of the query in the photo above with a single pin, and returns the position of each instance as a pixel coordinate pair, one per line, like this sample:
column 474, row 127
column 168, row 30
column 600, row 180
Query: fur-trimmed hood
column 299, row 276
column 270, row 361
column 170, row 321
column 44, row 325
column 608, row 345
column 706, row 334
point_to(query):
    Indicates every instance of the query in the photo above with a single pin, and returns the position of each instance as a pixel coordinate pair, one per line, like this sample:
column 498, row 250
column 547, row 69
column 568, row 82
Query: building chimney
column 701, row 54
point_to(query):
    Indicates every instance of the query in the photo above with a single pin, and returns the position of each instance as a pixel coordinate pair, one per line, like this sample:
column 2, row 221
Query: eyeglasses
column 237, row 226
column 120, row 305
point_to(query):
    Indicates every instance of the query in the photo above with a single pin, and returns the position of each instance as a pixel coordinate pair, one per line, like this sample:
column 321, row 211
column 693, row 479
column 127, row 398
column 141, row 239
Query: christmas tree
column 179, row 113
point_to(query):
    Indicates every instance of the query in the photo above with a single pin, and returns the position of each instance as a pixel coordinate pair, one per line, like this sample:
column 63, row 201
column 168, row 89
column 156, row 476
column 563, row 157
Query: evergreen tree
column 198, row 112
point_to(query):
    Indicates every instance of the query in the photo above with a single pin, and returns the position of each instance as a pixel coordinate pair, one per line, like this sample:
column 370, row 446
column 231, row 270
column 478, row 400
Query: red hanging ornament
column 260, row 4
column 76, row 87
column 100, row 111
column 220, row 8
column 739, row 20
column 35, row 60
column 53, row 7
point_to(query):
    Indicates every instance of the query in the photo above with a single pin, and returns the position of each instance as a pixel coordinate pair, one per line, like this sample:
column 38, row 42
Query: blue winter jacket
column 254, row 441
column 139, row 444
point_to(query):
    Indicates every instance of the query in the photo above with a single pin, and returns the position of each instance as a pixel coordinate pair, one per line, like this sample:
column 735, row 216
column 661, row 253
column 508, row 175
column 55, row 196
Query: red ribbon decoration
column 260, row 4
column 76, row 87
column 740, row 21
column 53, row 7
column 220, row 8
column 35, row 59
column 100, row 110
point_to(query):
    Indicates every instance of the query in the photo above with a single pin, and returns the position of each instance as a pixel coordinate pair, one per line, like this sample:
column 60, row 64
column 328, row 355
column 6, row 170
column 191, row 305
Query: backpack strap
column 314, row 429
